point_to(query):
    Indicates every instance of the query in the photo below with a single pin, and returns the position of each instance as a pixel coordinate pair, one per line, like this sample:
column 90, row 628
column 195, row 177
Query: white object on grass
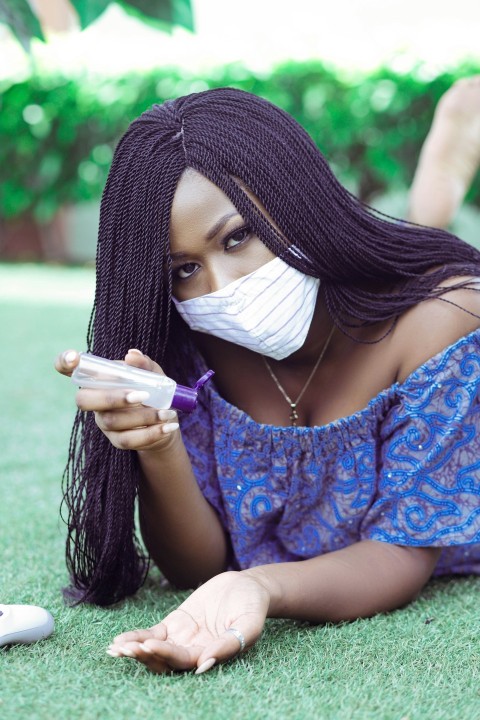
column 24, row 624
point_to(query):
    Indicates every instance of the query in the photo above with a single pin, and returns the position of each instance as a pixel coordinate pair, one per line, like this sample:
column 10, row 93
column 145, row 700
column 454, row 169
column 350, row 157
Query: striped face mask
column 268, row 311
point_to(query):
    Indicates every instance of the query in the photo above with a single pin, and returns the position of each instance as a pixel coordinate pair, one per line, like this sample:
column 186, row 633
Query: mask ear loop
column 289, row 251
column 263, row 226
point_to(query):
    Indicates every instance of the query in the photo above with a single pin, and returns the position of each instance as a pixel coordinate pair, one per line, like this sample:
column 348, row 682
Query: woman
column 333, row 466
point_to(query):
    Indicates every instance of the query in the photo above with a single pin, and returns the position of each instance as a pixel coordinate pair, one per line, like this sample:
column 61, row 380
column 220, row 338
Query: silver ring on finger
column 239, row 637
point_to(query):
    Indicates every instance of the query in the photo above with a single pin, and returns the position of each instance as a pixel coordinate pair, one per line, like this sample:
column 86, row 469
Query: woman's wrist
column 270, row 581
column 168, row 445
column 165, row 465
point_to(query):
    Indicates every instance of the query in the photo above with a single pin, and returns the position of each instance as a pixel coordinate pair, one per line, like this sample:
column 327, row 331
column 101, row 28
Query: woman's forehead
column 197, row 205
column 195, row 193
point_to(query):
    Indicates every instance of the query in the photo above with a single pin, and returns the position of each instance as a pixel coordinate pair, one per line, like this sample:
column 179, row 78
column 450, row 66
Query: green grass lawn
column 418, row 663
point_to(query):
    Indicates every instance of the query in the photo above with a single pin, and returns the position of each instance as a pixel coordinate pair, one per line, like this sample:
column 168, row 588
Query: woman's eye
column 185, row 271
column 237, row 237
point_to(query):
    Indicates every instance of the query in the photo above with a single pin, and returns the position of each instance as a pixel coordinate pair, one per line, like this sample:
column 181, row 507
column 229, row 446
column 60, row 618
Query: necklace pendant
column 293, row 405
column 294, row 414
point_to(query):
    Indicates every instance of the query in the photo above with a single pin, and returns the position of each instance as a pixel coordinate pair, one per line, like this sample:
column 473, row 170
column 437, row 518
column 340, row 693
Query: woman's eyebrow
column 178, row 256
column 220, row 224
column 214, row 230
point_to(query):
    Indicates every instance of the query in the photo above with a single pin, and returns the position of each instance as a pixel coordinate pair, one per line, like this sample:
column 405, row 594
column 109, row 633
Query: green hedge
column 57, row 134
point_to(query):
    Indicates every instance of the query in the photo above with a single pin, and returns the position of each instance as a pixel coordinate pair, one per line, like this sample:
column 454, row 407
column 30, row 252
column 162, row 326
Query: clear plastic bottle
column 96, row 372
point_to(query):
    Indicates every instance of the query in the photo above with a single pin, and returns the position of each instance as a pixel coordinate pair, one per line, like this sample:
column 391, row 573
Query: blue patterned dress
column 404, row 470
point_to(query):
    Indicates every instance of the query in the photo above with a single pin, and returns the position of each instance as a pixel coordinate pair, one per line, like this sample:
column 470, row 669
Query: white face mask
column 268, row 311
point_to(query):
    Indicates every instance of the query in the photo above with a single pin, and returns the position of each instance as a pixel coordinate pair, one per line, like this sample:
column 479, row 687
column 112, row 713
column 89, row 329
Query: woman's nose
column 218, row 278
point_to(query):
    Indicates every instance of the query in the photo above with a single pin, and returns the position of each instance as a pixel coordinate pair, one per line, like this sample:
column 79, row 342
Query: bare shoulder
column 432, row 325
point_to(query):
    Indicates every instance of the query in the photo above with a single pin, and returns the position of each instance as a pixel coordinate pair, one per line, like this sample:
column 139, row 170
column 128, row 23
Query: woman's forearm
column 358, row 581
column 181, row 530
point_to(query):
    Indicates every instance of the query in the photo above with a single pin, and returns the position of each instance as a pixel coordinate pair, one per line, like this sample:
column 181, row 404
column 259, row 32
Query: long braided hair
column 371, row 267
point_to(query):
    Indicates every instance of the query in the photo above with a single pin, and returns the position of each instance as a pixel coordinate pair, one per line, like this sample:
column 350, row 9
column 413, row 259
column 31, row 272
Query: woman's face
column 210, row 243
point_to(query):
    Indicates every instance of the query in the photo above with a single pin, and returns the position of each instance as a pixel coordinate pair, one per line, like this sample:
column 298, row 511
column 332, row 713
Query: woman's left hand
column 197, row 635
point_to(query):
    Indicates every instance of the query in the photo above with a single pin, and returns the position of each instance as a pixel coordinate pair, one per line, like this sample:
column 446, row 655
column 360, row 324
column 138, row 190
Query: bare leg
column 450, row 156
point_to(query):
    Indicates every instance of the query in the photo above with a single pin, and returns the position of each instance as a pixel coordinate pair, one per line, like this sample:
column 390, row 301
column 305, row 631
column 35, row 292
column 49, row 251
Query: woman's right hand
column 119, row 414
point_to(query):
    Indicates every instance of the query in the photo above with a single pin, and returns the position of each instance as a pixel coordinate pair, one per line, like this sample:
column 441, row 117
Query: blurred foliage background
column 58, row 132
column 57, row 135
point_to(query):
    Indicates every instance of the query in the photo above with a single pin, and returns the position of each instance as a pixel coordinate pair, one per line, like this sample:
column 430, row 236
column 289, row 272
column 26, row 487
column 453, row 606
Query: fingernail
column 70, row 356
column 146, row 649
column 134, row 350
column 206, row 665
column 170, row 427
column 137, row 396
column 113, row 653
column 167, row 414
column 127, row 652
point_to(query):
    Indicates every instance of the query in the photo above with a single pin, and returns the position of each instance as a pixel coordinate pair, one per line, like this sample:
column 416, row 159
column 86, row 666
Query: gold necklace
column 293, row 403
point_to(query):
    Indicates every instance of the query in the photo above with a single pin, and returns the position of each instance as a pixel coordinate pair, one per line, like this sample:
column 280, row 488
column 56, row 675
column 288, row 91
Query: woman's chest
column 271, row 394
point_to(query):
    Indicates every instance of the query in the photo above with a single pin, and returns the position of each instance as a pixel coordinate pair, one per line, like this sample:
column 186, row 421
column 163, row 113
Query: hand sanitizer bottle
column 96, row 372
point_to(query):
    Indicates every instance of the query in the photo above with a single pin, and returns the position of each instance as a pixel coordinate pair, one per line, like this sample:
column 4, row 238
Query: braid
column 372, row 269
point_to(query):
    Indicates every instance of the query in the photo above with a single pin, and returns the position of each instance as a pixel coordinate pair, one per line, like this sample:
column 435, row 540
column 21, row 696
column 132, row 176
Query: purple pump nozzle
column 185, row 398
